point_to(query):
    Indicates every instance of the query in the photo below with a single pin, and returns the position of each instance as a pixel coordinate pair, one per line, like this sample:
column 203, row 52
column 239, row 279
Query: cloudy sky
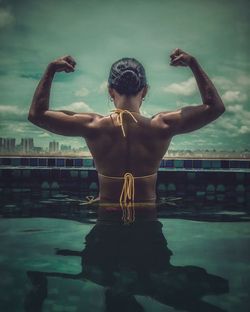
column 97, row 33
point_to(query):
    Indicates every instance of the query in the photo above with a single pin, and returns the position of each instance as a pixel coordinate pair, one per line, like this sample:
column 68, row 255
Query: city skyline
column 28, row 144
column 28, row 147
column 95, row 35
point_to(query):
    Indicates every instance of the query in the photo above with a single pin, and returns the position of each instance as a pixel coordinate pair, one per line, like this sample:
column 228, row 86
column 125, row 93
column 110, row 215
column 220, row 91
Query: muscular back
column 140, row 152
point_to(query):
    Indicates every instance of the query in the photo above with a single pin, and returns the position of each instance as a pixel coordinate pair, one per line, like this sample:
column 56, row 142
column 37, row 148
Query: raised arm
column 60, row 122
column 191, row 118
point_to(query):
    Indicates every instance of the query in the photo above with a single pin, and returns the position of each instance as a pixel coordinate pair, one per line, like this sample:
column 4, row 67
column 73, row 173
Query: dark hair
column 127, row 76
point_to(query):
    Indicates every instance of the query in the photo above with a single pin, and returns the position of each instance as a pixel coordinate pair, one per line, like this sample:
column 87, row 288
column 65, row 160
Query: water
column 56, row 257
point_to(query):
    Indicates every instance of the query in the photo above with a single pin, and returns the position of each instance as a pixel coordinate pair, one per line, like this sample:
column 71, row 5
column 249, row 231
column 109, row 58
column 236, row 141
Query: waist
column 127, row 174
column 128, row 195
column 143, row 187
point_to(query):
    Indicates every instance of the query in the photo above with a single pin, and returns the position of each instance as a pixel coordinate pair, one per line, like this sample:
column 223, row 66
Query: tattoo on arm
column 40, row 102
column 207, row 89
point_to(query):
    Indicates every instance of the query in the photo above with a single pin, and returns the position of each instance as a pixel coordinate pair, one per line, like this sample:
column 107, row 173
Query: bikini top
column 128, row 190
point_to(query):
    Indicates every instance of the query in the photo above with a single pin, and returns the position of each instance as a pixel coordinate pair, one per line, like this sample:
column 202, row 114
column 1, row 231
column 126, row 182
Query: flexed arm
column 60, row 122
column 191, row 118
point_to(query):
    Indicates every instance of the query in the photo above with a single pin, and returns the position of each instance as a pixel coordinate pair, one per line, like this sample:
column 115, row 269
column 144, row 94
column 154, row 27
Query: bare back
column 140, row 153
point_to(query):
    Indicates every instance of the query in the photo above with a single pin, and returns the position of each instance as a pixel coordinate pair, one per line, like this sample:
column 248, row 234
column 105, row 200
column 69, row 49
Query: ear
column 145, row 91
column 111, row 92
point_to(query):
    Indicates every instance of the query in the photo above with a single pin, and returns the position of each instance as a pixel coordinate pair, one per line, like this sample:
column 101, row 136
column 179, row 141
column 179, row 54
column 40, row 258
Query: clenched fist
column 65, row 63
column 180, row 58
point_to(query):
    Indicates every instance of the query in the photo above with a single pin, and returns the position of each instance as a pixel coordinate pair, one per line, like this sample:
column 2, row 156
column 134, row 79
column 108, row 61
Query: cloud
column 244, row 80
column 78, row 107
column 222, row 82
column 237, row 124
column 12, row 112
column 21, row 127
column 187, row 87
column 103, row 86
column 44, row 135
column 180, row 104
column 9, row 109
column 82, row 92
column 235, row 108
column 227, row 124
column 244, row 130
column 233, row 96
column 34, row 76
column 6, row 18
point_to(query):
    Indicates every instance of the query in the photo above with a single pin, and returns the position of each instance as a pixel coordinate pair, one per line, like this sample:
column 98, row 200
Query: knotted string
column 127, row 198
column 120, row 113
column 128, row 189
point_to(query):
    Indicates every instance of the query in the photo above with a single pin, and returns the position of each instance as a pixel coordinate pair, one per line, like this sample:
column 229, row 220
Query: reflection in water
column 131, row 260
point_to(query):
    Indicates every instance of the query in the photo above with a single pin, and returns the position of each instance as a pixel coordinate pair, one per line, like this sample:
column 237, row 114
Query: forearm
column 40, row 102
column 208, row 91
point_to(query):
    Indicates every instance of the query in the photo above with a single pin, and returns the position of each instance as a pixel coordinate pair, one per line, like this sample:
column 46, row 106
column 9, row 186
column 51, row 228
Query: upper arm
column 189, row 118
column 66, row 123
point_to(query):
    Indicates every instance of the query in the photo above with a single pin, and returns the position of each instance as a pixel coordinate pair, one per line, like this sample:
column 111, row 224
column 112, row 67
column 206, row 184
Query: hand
column 65, row 63
column 180, row 58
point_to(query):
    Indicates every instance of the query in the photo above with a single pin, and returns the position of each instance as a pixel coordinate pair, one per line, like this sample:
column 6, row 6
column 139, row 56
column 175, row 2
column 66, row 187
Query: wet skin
column 146, row 141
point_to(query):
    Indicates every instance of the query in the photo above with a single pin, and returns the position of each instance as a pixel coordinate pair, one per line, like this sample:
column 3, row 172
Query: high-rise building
column 1, row 144
column 7, row 144
column 27, row 144
column 53, row 146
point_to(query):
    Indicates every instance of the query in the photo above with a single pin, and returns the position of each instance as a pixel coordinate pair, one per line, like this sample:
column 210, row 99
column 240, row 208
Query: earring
column 143, row 99
column 111, row 99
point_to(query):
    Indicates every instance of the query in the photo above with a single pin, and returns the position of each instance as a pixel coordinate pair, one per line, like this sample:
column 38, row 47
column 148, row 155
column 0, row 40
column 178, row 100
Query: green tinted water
column 149, row 266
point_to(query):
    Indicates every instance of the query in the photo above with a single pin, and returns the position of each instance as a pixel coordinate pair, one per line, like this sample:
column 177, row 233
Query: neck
column 132, row 106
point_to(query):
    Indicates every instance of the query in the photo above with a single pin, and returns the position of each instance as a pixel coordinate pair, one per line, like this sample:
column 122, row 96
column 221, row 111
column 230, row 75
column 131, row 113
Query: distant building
column 53, row 147
column 1, row 144
column 65, row 148
column 7, row 144
column 26, row 145
column 37, row 149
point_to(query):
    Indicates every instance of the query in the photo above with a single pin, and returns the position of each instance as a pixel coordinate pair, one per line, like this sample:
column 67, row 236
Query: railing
column 88, row 163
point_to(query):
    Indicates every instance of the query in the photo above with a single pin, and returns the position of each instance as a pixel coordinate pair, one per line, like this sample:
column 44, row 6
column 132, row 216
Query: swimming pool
column 56, row 257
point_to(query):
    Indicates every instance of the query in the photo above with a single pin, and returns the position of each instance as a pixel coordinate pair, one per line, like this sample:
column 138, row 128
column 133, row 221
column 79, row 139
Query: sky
column 97, row 33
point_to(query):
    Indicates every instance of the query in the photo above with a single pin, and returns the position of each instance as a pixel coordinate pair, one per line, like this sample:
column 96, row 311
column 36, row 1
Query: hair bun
column 127, row 76
column 129, row 82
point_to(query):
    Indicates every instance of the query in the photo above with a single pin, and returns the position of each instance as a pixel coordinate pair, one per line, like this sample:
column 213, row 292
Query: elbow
column 216, row 111
column 32, row 118
column 222, row 110
column 219, row 110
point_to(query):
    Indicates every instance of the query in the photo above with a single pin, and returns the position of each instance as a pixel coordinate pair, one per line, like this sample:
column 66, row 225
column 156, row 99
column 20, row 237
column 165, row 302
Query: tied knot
column 128, row 190
column 120, row 113
column 127, row 198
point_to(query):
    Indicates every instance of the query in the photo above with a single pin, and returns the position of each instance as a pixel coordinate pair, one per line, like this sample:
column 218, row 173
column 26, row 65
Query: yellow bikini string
column 127, row 198
column 120, row 113
column 128, row 189
column 127, row 195
column 90, row 200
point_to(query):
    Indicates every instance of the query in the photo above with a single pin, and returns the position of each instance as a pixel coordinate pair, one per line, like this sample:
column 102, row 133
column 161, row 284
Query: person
column 126, row 146
column 127, row 262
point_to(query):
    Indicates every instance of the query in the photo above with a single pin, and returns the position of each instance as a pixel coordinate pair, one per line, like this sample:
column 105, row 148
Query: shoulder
column 160, row 119
column 88, row 118
column 164, row 122
column 93, row 116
